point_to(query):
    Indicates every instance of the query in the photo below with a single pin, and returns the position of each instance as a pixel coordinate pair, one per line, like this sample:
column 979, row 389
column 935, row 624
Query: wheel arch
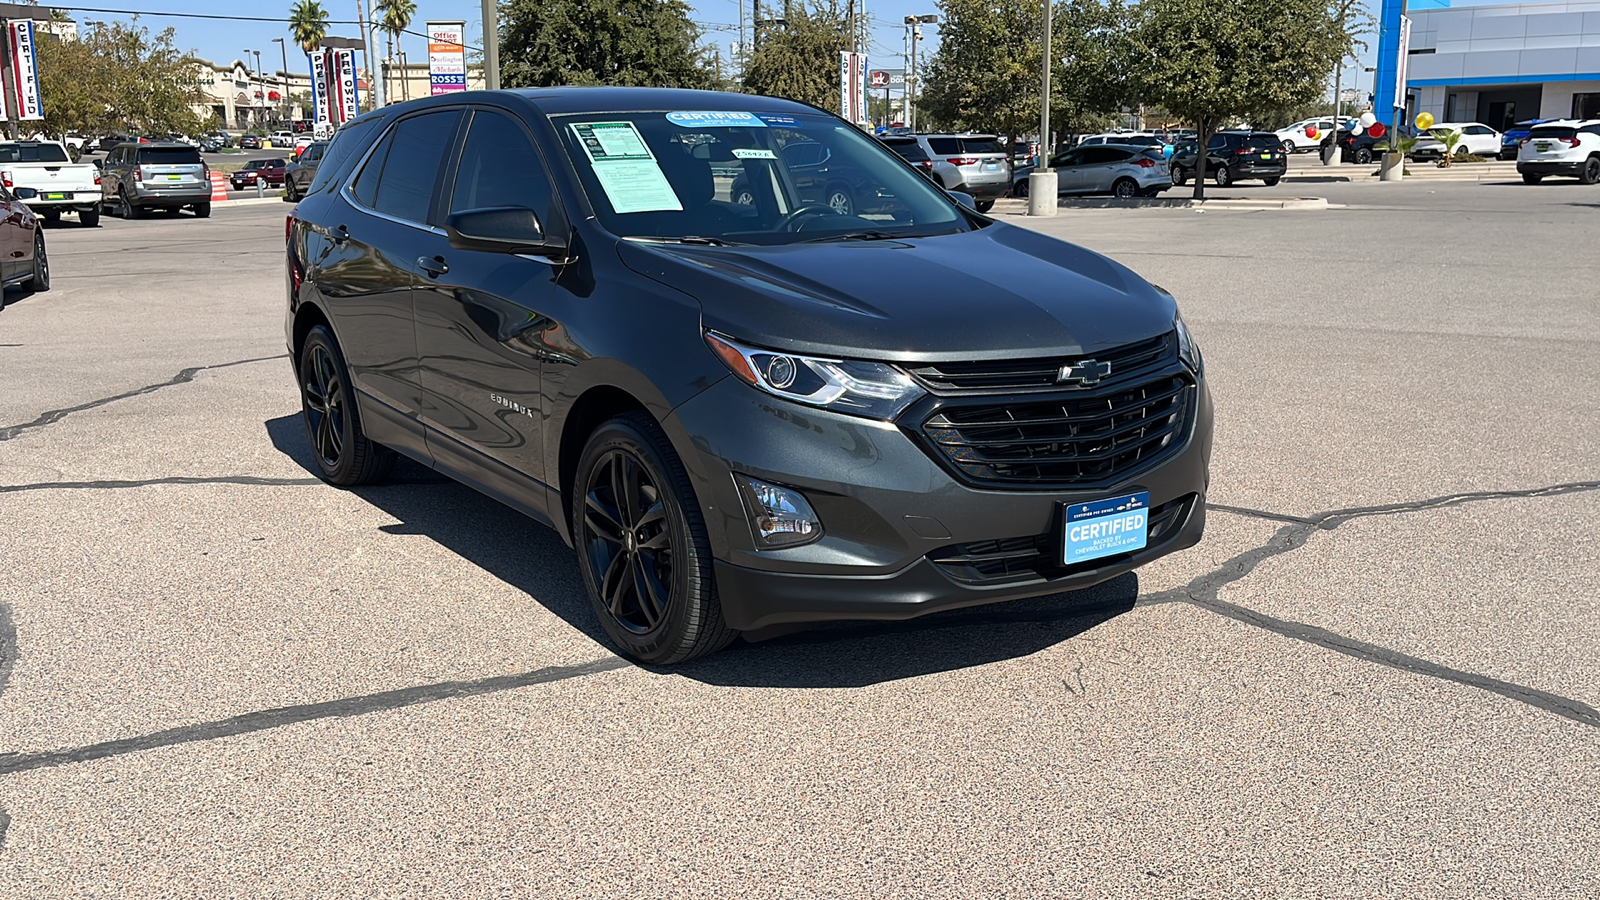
column 306, row 317
column 593, row 407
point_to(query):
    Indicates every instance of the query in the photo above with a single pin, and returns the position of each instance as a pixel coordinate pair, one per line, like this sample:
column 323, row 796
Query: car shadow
column 533, row 559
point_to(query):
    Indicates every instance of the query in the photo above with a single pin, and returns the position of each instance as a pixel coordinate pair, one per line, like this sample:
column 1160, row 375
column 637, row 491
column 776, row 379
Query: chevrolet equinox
column 739, row 414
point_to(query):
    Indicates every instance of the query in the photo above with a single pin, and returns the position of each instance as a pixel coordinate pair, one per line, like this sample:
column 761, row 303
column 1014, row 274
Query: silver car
column 977, row 163
column 137, row 178
column 1119, row 170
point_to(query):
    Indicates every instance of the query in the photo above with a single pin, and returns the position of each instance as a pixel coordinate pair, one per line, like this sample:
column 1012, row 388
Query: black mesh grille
column 1082, row 438
column 1128, row 363
column 1039, row 556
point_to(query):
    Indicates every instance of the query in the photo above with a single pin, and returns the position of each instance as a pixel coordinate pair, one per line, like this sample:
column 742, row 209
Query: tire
column 652, row 585
column 40, row 282
column 1180, row 176
column 1124, row 188
column 1462, row 152
column 1223, row 176
column 840, row 200
column 294, row 195
column 1288, row 147
column 1591, row 171
column 342, row 453
column 1021, row 189
column 1271, row 182
column 202, row 210
column 1363, row 156
column 1530, row 178
column 742, row 195
column 983, row 206
column 53, row 216
column 89, row 218
column 129, row 211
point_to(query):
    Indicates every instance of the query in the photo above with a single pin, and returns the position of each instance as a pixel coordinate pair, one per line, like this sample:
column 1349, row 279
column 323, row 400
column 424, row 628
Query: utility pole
column 1042, row 200
column 755, row 24
column 369, row 38
column 491, row 45
column 283, row 48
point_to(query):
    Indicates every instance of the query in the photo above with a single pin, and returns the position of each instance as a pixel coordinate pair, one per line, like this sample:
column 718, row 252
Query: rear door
column 1101, row 166
column 171, row 168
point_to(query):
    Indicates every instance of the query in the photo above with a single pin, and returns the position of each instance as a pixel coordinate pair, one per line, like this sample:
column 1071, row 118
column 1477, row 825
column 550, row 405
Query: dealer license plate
column 55, row 196
column 1105, row 528
column 1542, row 146
column 174, row 177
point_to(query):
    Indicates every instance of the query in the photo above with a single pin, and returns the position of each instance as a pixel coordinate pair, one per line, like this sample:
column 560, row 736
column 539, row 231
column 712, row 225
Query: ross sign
column 853, row 87
column 447, row 57
column 1400, row 64
column 25, row 71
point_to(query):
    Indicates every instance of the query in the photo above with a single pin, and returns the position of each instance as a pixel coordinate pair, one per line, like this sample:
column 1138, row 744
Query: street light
column 250, row 107
column 284, row 84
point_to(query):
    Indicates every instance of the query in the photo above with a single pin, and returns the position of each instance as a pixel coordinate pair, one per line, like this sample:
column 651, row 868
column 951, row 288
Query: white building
column 1499, row 64
column 242, row 98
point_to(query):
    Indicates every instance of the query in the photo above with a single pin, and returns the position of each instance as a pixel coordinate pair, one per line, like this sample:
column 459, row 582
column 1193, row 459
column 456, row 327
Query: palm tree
column 308, row 24
column 396, row 18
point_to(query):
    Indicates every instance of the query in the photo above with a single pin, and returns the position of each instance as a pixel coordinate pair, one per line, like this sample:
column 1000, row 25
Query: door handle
column 432, row 266
column 340, row 235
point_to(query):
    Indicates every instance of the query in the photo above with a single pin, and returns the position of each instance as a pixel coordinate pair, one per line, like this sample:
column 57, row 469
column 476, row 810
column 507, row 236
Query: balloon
column 1355, row 129
column 1311, row 132
column 1424, row 121
column 1376, row 129
column 1368, row 119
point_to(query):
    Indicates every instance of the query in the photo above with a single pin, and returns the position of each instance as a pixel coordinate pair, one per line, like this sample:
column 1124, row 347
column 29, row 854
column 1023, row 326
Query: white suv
column 1567, row 147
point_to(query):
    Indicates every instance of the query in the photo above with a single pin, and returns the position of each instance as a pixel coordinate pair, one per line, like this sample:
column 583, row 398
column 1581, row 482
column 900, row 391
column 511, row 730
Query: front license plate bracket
column 1101, row 528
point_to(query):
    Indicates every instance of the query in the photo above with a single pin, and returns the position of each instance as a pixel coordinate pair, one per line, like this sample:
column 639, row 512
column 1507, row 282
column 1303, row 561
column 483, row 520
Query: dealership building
column 1491, row 63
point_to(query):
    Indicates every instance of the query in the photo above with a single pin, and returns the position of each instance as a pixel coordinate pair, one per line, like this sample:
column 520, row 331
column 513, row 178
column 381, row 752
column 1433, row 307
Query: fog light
column 779, row 516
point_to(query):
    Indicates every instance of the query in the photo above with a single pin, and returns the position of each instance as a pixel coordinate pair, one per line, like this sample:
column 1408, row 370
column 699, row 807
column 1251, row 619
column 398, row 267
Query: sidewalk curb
column 251, row 201
column 1191, row 203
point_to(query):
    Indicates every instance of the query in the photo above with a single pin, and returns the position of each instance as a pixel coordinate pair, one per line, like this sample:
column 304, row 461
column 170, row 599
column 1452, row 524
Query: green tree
column 120, row 77
column 799, row 60
column 648, row 43
column 395, row 17
column 308, row 24
column 1214, row 61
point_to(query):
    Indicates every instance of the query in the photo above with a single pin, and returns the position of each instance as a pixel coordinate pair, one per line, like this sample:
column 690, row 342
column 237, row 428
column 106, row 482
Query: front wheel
column 1223, row 176
column 1363, row 156
column 40, row 282
column 344, row 456
column 1180, row 176
column 642, row 545
column 1288, row 147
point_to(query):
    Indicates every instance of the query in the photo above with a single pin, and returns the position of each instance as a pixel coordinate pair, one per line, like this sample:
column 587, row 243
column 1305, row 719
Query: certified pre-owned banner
column 344, row 72
column 320, row 96
column 447, row 57
column 25, row 71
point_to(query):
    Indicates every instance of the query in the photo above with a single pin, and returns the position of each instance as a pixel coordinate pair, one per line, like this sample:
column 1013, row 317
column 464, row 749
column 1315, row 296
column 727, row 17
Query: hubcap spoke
column 614, row 585
column 601, row 519
column 652, row 600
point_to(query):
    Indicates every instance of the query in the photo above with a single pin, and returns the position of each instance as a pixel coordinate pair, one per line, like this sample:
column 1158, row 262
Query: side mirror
column 25, row 193
column 965, row 200
column 499, row 229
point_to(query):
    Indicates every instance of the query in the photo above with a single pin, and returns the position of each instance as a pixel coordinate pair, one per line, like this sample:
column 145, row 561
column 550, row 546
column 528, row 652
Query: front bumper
column 893, row 518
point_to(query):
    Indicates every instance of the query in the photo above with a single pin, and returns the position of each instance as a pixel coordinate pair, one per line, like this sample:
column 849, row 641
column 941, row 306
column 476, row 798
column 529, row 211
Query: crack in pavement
column 183, row 377
column 149, row 482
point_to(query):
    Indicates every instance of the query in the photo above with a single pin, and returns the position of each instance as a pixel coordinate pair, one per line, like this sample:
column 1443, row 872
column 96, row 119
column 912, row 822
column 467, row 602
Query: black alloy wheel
column 1021, row 190
column 1591, row 171
column 129, row 211
column 642, row 545
column 1363, row 156
column 41, row 265
column 343, row 454
column 1223, row 176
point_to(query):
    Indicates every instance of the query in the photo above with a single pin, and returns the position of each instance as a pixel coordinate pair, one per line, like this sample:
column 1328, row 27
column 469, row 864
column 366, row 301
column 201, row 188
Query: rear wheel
column 343, row 454
column 1021, row 190
column 642, row 545
column 202, row 210
column 41, row 265
column 984, row 206
column 53, row 216
column 1124, row 188
column 1591, row 171
column 1271, row 182
column 129, row 211
column 1288, row 147
column 1223, row 176
column 89, row 218
column 1530, row 178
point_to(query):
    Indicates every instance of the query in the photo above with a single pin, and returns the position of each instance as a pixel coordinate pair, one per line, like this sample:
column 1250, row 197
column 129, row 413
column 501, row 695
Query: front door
column 485, row 320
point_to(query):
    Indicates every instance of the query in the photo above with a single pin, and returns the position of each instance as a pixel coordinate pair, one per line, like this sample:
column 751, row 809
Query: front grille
column 1039, row 556
column 1128, row 363
column 1066, row 441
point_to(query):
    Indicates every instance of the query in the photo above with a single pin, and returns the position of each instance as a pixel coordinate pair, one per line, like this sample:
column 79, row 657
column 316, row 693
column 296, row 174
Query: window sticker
column 712, row 119
column 628, row 171
column 780, row 121
column 757, row 153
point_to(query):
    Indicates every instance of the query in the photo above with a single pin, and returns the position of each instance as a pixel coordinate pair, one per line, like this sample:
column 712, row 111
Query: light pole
column 284, row 84
column 254, row 77
column 491, row 45
column 914, row 25
column 1042, row 199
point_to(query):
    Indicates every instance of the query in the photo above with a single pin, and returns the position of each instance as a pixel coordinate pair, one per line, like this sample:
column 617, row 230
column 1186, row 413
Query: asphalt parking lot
column 1376, row 676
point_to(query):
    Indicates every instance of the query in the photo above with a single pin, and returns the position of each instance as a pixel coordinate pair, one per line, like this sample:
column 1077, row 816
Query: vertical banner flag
column 447, row 57
column 853, row 86
column 1400, row 67
column 319, row 87
column 349, row 91
column 25, row 71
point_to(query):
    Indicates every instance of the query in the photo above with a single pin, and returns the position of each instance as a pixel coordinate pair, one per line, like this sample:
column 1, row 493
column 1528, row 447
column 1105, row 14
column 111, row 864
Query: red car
column 22, row 258
column 269, row 171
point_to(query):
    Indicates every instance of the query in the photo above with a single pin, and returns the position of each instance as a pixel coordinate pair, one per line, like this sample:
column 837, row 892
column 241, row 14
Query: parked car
column 222, row 138
column 1360, row 148
column 1511, row 139
column 282, row 138
column 1234, row 156
column 1296, row 138
column 249, row 142
column 1122, row 171
column 58, row 185
column 24, row 262
column 270, row 172
column 738, row 416
column 1477, row 139
column 1566, row 147
column 1126, row 139
column 137, row 178
column 302, row 170
column 819, row 178
column 979, row 161
column 911, row 150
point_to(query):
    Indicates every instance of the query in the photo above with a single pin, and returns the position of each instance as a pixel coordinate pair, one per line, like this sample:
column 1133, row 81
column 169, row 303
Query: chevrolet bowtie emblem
column 1087, row 373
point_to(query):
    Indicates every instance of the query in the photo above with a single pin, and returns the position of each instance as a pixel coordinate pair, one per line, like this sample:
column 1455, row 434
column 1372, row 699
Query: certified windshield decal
column 708, row 119
column 758, row 153
column 628, row 171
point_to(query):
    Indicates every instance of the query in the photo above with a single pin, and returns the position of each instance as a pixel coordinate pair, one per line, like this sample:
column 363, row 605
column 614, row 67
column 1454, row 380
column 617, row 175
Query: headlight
column 1188, row 350
column 850, row 386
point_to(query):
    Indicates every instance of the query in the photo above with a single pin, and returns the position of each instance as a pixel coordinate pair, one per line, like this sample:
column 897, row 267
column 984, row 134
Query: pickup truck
column 60, row 184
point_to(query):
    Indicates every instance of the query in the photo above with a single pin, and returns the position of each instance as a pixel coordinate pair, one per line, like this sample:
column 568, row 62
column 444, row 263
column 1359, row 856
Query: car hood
column 997, row 292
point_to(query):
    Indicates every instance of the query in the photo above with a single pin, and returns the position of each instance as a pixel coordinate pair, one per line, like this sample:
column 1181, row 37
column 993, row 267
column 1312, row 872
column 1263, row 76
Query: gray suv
column 137, row 178
column 976, row 165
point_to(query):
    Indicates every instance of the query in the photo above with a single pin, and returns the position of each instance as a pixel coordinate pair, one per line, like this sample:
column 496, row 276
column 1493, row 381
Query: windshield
column 32, row 153
column 749, row 178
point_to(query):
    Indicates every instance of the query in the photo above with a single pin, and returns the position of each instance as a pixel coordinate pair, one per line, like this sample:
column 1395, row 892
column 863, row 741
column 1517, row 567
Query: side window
column 500, row 167
column 365, row 188
column 400, row 178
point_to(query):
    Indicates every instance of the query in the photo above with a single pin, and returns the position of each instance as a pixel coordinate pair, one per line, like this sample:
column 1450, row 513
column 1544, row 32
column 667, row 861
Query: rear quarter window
column 343, row 151
column 945, row 146
column 974, row 145
column 910, row 150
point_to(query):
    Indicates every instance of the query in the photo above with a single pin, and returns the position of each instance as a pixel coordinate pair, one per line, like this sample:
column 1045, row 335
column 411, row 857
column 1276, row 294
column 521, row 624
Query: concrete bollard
column 260, row 191
column 1042, row 200
column 1394, row 167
